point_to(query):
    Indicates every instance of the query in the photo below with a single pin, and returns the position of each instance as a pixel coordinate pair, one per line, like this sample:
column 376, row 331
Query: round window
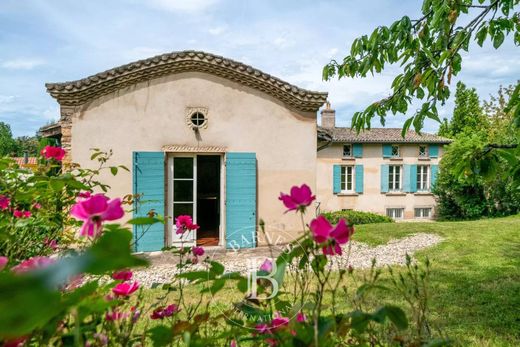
column 197, row 119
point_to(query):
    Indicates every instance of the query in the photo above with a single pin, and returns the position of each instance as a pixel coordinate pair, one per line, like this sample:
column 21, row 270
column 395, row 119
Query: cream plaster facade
column 371, row 199
column 150, row 115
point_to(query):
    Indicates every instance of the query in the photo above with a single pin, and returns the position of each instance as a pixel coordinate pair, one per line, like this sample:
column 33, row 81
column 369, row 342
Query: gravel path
column 393, row 253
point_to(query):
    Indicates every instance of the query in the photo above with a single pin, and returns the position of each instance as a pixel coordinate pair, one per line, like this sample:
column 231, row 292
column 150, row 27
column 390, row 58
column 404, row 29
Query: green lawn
column 475, row 278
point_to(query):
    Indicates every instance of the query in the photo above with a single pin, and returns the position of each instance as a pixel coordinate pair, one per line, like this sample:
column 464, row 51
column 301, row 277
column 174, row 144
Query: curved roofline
column 75, row 93
column 379, row 135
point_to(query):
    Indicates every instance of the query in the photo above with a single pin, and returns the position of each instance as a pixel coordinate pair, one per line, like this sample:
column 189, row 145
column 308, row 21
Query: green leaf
column 144, row 221
column 359, row 320
column 160, row 335
column 113, row 170
column 481, row 35
column 498, row 39
column 395, row 314
column 216, row 268
column 196, row 275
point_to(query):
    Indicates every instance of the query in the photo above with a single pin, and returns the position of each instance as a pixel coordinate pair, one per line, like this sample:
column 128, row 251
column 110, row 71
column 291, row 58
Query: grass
column 475, row 279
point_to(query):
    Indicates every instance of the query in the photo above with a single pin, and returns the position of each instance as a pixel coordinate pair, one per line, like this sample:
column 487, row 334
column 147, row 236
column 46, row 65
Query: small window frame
column 423, row 185
column 344, row 179
column 395, row 178
column 397, row 152
column 423, row 153
column 349, row 153
column 392, row 212
column 419, row 212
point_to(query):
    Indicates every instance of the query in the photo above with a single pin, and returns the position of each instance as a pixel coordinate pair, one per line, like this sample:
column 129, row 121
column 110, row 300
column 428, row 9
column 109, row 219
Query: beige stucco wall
column 149, row 115
column 371, row 199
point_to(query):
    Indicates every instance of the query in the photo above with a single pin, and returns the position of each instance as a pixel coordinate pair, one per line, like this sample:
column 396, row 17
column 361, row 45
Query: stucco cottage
column 219, row 140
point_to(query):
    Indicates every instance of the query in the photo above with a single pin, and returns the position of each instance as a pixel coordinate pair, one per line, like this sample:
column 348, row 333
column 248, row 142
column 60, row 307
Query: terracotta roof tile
column 378, row 135
column 21, row 162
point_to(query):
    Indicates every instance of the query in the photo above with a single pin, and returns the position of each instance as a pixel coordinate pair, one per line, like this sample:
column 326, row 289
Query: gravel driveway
column 163, row 268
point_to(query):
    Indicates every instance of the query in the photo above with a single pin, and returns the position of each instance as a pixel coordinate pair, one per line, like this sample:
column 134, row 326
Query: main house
column 219, row 140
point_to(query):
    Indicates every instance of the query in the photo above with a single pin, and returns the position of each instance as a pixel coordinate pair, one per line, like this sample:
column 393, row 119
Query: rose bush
column 89, row 296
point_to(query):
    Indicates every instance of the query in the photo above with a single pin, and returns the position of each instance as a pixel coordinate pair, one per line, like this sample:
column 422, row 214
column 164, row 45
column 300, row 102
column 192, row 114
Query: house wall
column 371, row 199
column 150, row 115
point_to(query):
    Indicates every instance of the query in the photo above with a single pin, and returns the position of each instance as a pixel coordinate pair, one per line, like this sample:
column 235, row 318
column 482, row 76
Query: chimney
column 328, row 116
column 25, row 157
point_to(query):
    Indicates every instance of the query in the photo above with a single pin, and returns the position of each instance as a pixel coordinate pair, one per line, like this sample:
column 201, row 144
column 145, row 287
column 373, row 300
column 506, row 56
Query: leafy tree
column 429, row 50
column 7, row 143
column 29, row 144
column 467, row 115
column 475, row 180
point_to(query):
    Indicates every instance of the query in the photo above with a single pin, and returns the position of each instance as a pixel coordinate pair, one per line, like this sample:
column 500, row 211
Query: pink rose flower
column 185, row 223
column 301, row 317
column 125, row 288
column 115, row 315
column 279, row 321
column 267, row 266
column 299, row 198
column 197, row 251
column 32, row 264
column 4, row 202
column 21, row 214
column 16, row 342
column 332, row 237
column 233, row 343
column 123, row 275
column 3, row 262
column 51, row 152
column 37, row 206
column 94, row 211
column 162, row 312
column 52, row 244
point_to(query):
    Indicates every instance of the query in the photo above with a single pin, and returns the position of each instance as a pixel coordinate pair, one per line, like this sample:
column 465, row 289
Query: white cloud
column 22, row 64
column 51, row 114
column 190, row 6
column 5, row 99
column 215, row 31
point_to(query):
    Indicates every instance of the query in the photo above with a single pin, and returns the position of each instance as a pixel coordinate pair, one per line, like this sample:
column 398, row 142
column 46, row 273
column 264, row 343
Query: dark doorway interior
column 208, row 199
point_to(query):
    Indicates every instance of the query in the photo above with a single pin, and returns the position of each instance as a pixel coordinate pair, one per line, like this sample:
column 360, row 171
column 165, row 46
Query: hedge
column 357, row 217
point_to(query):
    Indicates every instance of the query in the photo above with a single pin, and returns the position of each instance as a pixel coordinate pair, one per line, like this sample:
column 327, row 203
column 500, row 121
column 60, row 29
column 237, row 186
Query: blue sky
column 59, row 40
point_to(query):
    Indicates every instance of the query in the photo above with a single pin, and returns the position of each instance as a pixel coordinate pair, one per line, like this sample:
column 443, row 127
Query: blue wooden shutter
column 336, row 179
column 413, row 178
column 359, row 178
column 148, row 181
column 434, row 169
column 384, row 178
column 240, row 200
column 358, row 150
column 387, row 150
column 433, row 151
column 406, row 178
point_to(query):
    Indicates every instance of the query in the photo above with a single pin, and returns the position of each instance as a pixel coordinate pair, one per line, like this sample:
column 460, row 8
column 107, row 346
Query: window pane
column 182, row 167
column 182, row 209
column 395, row 151
column 183, row 190
column 347, row 150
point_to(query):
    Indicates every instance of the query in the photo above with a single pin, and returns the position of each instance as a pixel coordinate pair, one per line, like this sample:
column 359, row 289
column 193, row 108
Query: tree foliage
column 467, row 115
column 428, row 50
column 477, row 177
column 7, row 143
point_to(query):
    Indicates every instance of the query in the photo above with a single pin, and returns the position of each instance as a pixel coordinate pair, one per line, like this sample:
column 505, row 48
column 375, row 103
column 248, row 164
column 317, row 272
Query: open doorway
column 208, row 199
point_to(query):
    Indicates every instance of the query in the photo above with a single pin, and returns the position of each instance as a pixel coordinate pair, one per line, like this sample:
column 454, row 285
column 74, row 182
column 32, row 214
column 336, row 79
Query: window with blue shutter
column 433, row 151
column 413, row 178
column 434, row 170
column 358, row 150
column 336, row 179
column 240, row 200
column 148, row 183
column 359, row 179
column 387, row 150
column 384, row 178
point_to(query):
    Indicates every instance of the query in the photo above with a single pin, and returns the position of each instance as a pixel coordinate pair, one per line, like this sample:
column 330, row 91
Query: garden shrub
column 357, row 217
column 89, row 296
